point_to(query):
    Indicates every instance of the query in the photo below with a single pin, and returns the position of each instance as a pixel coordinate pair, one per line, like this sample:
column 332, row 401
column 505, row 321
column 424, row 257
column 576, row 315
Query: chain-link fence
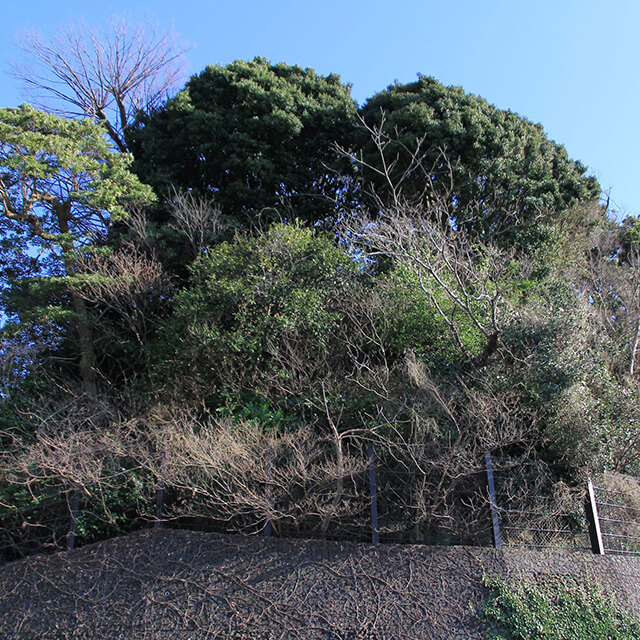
column 57, row 518
column 379, row 499
column 536, row 514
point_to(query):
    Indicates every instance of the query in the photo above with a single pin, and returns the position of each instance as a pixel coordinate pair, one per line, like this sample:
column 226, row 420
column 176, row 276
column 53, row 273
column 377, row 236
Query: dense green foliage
column 257, row 136
column 499, row 169
column 60, row 187
column 48, row 160
column 261, row 139
column 261, row 314
column 556, row 611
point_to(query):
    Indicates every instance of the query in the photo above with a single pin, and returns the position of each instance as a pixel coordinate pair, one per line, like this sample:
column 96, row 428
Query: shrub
column 555, row 610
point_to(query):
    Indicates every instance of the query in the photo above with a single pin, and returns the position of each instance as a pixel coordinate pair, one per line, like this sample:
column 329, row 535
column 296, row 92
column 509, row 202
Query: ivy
column 555, row 610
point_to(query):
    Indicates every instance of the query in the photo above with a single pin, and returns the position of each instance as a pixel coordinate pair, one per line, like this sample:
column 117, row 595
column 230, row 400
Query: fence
column 538, row 517
column 59, row 518
column 384, row 500
column 616, row 516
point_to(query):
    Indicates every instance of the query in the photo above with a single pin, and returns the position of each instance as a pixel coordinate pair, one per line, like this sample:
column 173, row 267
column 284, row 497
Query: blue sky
column 572, row 65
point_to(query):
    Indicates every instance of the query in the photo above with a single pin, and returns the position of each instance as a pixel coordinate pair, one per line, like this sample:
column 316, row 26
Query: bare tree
column 431, row 436
column 397, row 169
column 108, row 74
column 462, row 276
column 236, row 472
column 128, row 283
column 613, row 282
column 232, row 471
column 195, row 218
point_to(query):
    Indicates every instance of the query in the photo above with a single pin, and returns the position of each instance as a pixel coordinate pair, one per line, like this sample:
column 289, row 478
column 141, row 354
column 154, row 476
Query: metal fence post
column 74, row 508
column 497, row 540
column 591, row 511
column 160, row 491
column 375, row 538
column 268, row 528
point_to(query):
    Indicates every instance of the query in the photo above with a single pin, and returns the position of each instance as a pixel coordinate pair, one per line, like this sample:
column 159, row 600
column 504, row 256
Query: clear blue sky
column 572, row 65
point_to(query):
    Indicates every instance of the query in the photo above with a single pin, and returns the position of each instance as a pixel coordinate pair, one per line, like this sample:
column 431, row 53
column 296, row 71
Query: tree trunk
column 490, row 348
column 85, row 337
column 87, row 355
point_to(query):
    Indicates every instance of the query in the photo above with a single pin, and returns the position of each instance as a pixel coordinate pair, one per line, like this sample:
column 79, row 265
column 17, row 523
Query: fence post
column 374, row 498
column 591, row 511
column 268, row 528
column 74, row 507
column 497, row 540
column 160, row 490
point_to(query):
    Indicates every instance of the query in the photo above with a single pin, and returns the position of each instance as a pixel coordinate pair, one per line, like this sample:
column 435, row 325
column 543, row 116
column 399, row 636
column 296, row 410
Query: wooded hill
column 239, row 289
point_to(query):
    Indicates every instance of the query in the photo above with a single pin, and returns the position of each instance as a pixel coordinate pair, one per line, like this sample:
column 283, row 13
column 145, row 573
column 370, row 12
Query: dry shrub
column 71, row 442
column 231, row 471
column 236, row 472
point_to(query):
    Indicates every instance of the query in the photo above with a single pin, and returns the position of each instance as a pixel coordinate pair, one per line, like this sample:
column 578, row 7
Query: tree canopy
column 253, row 135
column 470, row 297
column 498, row 169
column 60, row 177
column 261, row 316
column 60, row 187
column 107, row 74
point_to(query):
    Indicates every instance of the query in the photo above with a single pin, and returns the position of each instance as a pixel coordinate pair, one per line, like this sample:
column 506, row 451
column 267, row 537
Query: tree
column 130, row 293
column 499, row 170
column 464, row 282
column 463, row 279
column 60, row 188
column 252, row 135
column 108, row 74
column 261, row 317
column 612, row 280
column 195, row 219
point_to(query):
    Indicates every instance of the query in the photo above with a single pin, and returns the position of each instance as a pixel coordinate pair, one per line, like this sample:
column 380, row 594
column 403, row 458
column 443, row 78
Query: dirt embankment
column 181, row 584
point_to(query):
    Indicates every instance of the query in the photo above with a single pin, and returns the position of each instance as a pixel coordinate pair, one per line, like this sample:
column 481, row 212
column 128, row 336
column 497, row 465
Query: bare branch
column 126, row 282
column 108, row 74
column 195, row 218
column 462, row 276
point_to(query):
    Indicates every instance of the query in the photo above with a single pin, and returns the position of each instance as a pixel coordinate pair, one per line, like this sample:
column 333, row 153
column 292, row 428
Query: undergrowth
column 555, row 610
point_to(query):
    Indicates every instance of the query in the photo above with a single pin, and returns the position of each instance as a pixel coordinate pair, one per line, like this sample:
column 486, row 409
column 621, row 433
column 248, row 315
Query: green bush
column 555, row 610
column 124, row 503
column 261, row 316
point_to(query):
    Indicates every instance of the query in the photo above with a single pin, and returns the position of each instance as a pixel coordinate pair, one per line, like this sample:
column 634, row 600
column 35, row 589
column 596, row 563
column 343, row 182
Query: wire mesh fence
column 381, row 499
column 56, row 518
column 535, row 514
column 618, row 513
column 415, row 507
column 536, row 529
column 410, row 507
